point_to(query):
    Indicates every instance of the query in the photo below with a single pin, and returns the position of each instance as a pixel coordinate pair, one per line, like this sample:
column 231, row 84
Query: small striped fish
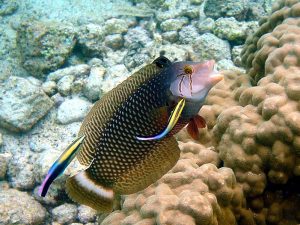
column 126, row 141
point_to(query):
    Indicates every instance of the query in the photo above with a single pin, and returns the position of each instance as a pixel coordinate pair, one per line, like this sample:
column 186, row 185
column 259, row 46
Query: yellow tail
column 83, row 190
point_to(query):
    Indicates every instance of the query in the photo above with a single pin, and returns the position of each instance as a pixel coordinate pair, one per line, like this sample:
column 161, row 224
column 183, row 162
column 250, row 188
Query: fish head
column 193, row 80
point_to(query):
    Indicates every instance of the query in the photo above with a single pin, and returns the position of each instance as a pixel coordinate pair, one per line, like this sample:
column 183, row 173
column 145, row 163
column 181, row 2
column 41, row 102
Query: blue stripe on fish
column 60, row 165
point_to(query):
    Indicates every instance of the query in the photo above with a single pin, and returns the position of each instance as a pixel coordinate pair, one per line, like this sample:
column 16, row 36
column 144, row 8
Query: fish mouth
column 215, row 77
column 208, row 65
column 211, row 64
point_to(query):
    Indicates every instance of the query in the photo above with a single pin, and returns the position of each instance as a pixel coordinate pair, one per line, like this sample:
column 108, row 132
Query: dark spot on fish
column 162, row 62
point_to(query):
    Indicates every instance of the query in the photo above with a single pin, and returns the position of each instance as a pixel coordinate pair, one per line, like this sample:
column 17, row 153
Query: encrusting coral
column 257, row 130
column 259, row 138
column 195, row 191
column 278, row 205
column 223, row 96
column 276, row 39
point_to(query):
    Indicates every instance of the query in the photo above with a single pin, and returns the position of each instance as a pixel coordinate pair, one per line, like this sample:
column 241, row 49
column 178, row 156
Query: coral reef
column 232, row 30
column 257, row 127
column 8, row 7
column 73, row 110
column 73, row 56
column 91, row 37
column 65, row 213
column 3, row 164
column 275, row 36
column 209, row 46
column 278, row 205
column 258, row 137
column 193, row 192
column 228, row 8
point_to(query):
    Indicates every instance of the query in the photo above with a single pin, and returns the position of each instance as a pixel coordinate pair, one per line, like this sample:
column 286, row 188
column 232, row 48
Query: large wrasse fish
column 126, row 141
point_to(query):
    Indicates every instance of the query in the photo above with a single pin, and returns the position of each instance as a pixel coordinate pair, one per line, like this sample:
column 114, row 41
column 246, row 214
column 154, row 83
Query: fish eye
column 188, row 69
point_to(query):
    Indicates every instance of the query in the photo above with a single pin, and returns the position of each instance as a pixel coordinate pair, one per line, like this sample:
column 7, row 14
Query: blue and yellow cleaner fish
column 126, row 141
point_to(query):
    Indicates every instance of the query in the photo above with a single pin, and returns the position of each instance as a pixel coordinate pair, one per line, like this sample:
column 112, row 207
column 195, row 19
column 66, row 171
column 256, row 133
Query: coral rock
column 275, row 36
column 209, row 46
column 23, row 104
column 227, row 8
column 73, row 110
column 65, row 213
column 190, row 193
column 19, row 208
column 3, row 165
column 44, row 46
column 258, row 136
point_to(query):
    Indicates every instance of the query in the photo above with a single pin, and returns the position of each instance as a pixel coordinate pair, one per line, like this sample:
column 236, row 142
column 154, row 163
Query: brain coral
column 191, row 193
column 258, row 135
column 278, row 205
column 276, row 42
column 224, row 95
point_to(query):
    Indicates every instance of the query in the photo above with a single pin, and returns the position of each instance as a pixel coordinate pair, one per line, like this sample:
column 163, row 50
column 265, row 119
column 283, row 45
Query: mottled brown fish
column 126, row 141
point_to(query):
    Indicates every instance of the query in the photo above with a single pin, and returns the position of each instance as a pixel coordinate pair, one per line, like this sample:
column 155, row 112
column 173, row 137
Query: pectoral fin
column 199, row 121
column 192, row 129
column 171, row 123
column 60, row 165
column 195, row 123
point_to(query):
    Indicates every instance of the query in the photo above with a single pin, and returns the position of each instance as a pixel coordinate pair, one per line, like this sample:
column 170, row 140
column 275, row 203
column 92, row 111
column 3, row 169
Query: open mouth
column 215, row 77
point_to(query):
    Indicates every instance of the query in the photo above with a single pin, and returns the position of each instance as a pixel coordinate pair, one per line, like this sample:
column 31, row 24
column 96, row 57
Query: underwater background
column 57, row 58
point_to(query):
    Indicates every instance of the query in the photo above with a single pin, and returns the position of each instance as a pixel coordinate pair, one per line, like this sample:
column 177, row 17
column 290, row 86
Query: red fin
column 200, row 121
column 192, row 129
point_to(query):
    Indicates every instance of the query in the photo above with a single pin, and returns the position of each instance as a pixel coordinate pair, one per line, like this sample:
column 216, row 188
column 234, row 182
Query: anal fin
column 83, row 190
column 159, row 161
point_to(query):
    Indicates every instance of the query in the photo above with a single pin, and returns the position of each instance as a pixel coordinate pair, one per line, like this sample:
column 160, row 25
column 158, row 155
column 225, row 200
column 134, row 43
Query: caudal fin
column 83, row 190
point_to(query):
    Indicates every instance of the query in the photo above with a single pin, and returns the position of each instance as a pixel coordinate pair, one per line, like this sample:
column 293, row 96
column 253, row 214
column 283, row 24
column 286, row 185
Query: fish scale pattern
column 116, row 157
column 102, row 112
column 113, row 159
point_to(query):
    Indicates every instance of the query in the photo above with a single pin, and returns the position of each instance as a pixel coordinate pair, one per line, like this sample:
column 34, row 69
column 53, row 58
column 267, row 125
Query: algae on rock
column 44, row 46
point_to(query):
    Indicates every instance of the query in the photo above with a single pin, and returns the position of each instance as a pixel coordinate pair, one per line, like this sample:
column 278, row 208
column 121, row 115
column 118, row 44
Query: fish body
column 144, row 105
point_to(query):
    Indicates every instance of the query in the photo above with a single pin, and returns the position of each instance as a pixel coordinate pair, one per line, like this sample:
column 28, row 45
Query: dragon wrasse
column 126, row 141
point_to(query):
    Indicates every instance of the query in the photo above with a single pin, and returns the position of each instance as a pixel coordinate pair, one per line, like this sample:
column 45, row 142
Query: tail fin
column 83, row 190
